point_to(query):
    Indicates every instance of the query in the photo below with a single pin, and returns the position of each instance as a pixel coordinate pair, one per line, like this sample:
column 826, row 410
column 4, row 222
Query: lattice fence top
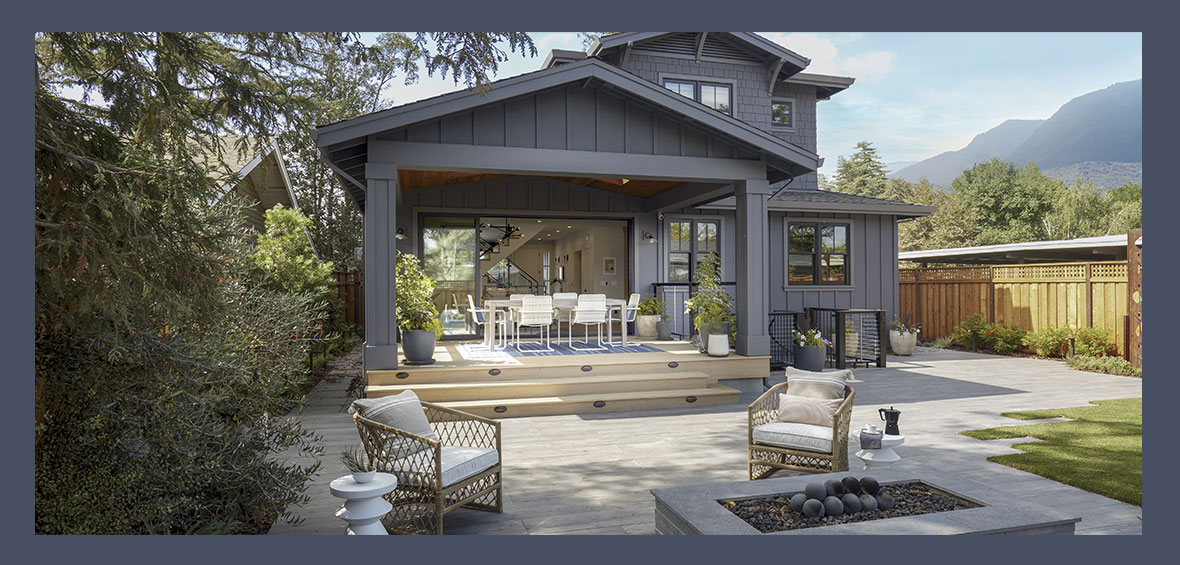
column 1048, row 272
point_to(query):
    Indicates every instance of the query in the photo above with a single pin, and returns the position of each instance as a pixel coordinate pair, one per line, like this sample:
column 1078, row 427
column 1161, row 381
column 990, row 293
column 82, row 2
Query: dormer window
column 714, row 95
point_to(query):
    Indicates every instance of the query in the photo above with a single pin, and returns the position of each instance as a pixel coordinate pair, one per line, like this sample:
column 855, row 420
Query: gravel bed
column 773, row 513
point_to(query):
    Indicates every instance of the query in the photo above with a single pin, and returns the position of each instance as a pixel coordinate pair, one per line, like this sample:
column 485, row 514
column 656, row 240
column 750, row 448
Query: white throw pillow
column 803, row 410
column 810, row 384
column 401, row 411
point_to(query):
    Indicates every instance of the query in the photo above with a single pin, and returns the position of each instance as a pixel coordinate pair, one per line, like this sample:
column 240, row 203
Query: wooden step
column 489, row 389
column 569, row 366
column 604, row 402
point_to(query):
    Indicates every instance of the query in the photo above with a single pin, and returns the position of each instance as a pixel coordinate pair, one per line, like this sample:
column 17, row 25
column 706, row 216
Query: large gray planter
column 645, row 325
column 664, row 330
column 809, row 357
column 902, row 343
column 418, row 346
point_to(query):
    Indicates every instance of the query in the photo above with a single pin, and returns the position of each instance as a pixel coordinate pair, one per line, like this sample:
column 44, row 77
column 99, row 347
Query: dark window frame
column 695, row 254
column 788, row 101
column 817, row 253
column 696, row 90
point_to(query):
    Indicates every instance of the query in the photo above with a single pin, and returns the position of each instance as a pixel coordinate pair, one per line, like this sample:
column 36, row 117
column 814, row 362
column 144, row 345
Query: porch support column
column 752, row 271
column 380, row 261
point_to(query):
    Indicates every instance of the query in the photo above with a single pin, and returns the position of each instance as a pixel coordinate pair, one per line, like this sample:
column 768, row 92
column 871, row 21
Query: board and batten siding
column 577, row 118
column 872, row 266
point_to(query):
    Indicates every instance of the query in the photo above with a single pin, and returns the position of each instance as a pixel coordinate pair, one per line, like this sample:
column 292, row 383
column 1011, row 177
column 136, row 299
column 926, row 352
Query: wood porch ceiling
column 409, row 179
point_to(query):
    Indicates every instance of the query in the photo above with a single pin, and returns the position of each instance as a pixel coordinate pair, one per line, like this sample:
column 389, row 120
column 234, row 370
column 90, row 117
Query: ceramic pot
column 902, row 343
column 418, row 346
column 645, row 325
column 809, row 357
column 719, row 345
column 364, row 476
column 664, row 331
column 723, row 329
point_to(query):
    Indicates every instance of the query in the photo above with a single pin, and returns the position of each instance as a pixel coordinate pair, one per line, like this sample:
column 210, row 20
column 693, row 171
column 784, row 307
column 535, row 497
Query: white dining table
column 560, row 305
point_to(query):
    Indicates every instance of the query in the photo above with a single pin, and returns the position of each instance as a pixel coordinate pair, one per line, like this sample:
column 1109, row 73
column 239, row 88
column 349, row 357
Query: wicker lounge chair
column 436, row 476
column 815, row 449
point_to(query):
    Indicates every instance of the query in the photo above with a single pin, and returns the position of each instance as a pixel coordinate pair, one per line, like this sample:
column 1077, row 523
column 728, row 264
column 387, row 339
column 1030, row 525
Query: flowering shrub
column 975, row 324
column 1092, row 342
column 811, row 337
column 1006, row 339
column 1049, row 342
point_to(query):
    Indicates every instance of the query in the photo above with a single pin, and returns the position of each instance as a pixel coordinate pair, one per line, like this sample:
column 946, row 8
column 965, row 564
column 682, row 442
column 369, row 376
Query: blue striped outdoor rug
column 534, row 349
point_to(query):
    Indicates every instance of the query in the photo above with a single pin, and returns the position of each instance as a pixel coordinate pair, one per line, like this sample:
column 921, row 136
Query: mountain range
column 1098, row 136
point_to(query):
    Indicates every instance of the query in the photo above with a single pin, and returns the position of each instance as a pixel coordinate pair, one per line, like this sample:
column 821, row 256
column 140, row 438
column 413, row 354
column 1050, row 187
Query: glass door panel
column 449, row 257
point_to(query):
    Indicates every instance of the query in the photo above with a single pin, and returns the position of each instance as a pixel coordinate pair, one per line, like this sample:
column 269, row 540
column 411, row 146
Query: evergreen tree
column 863, row 173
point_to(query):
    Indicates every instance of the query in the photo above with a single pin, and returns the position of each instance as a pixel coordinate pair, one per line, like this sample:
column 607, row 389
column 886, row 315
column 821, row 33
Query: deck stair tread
column 723, row 369
column 611, row 401
column 491, row 387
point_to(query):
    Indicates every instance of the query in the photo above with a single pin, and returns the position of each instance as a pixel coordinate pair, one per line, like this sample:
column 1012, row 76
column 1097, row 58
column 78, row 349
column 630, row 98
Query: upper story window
column 817, row 254
column 714, row 95
column 782, row 113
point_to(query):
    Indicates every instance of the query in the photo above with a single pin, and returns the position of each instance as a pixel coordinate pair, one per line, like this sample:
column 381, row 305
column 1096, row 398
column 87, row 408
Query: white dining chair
column 561, row 313
column 511, row 316
column 535, row 312
column 590, row 311
column 626, row 316
column 489, row 319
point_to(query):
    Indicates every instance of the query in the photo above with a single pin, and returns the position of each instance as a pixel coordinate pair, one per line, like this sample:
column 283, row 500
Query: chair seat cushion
column 793, row 435
column 458, row 463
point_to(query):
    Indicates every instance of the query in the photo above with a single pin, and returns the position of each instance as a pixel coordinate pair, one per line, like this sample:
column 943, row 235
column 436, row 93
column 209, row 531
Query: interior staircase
column 600, row 385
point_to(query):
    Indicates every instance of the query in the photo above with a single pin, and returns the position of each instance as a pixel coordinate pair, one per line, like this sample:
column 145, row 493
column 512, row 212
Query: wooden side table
column 363, row 503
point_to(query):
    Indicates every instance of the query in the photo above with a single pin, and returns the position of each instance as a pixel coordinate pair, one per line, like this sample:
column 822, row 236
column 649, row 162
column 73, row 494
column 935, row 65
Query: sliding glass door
column 449, row 257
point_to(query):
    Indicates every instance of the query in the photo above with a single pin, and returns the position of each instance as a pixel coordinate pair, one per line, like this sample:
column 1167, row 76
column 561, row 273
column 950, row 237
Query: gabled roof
column 766, row 48
column 350, row 134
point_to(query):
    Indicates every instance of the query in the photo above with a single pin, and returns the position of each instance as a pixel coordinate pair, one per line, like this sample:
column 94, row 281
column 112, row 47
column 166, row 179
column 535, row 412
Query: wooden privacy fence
column 1033, row 297
column 350, row 290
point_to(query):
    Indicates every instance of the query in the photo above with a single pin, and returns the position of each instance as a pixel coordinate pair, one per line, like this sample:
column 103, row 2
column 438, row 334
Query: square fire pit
column 698, row 509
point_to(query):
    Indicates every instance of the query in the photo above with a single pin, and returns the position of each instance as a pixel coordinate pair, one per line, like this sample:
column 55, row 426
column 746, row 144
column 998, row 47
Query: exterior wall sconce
column 401, row 234
column 649, row 237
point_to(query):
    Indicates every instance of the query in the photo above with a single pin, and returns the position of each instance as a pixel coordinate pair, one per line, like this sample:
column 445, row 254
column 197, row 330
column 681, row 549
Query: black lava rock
column 851, row 503
column 851, row 485
column 813, row 508
column 815, row 491
column 833, row 506
column 868, row 503
column 870, row 485
column 834, row 487
column 797, row 502
column 884, row 501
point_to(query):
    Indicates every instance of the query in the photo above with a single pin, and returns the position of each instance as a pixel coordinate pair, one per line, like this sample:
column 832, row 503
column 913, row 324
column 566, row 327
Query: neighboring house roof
column 561, row 57
column 1102, row 248
column 826, row 201
column 343, row 143
column 766, row 49
column 262, row 181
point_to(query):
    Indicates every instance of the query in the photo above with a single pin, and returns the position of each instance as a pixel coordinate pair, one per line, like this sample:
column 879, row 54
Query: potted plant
column 664, row 328
column 903, row 335
column 711, row 305
column 651, row 311
column 417, row 317
column 358, row 463
column 810, row 346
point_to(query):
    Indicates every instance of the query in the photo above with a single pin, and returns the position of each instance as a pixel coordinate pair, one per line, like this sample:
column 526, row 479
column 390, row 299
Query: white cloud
column 545, row 42
column 826, row 57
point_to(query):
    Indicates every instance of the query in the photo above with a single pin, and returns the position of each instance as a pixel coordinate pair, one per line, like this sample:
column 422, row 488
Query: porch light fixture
column 649, row 237
column 401, row 234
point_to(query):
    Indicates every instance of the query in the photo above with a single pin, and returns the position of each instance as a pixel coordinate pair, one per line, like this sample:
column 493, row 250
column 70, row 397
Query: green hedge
column 1103, row 364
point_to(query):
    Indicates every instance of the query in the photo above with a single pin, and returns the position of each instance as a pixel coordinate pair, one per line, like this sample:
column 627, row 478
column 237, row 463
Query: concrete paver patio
column 590, row 474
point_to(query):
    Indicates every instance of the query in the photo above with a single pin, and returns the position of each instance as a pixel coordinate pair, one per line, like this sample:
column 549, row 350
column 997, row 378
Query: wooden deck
column 468, row 377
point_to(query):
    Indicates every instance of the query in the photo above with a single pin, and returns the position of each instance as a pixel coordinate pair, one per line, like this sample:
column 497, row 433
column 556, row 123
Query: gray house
column 615, row 171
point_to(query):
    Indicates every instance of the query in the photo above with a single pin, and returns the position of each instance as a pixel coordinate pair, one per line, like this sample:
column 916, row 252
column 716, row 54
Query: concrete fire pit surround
column 696, row 510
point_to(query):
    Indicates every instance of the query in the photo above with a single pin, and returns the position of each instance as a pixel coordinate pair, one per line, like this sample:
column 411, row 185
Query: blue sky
column 916, row 94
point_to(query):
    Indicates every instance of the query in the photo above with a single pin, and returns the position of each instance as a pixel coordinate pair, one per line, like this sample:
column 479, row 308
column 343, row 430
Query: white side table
column 883, row 457
column 363, row 503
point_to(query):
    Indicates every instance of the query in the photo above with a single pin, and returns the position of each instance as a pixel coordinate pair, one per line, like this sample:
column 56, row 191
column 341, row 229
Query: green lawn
column 1100, row 451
